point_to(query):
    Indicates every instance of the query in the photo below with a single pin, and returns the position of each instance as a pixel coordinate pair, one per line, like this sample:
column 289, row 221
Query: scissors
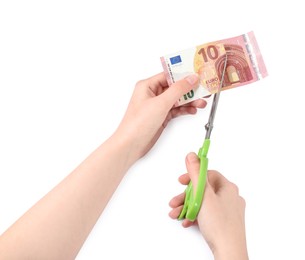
column 192, row 202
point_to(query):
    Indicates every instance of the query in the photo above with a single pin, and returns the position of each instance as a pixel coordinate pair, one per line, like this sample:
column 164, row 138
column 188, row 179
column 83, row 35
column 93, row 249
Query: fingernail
column 192, row 157
column 192, row 79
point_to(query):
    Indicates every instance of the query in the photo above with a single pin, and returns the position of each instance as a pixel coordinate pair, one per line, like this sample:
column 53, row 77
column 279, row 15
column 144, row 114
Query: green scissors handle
column 192, row 201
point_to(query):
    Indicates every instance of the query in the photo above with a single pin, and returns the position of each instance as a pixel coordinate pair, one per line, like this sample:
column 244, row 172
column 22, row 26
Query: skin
column 57, row 225
column 221, row 218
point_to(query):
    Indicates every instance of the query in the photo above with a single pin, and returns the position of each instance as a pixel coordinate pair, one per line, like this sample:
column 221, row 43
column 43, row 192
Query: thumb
column 179, row 88
column 193, row 168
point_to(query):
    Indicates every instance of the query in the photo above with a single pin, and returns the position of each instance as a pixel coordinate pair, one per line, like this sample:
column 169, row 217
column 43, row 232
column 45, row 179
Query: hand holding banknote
column 152, row 106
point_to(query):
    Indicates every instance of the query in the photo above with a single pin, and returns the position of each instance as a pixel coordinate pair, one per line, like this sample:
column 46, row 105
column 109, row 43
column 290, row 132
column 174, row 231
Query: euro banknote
column 245, row 65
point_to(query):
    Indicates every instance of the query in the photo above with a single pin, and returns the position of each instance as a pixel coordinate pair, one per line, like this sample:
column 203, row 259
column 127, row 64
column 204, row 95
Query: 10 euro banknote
column 244, row 65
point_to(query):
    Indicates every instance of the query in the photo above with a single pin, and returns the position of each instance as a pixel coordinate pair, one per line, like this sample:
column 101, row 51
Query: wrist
column 231, row 251
column 124, row 145
column 137, row 139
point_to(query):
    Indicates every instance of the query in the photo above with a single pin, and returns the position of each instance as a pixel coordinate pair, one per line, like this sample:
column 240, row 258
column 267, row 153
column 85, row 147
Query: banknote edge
column 255, row 55
column 167, row 71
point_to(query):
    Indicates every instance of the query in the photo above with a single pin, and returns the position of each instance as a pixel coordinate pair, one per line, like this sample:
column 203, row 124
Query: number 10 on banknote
column 244, row 65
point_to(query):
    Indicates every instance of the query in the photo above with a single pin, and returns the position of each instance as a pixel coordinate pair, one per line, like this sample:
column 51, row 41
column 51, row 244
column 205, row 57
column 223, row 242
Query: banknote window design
column 238, row 69
column 232, row 74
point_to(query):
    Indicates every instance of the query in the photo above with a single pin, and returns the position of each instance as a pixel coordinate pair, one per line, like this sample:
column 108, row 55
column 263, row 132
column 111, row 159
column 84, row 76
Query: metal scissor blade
column 209, row 125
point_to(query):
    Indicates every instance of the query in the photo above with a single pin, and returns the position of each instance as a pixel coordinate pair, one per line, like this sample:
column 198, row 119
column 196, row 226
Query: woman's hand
column 151, row 107
column 221, row 219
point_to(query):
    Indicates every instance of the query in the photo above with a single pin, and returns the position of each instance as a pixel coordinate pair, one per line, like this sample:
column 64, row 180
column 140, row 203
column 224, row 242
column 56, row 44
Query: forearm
column 57, row 226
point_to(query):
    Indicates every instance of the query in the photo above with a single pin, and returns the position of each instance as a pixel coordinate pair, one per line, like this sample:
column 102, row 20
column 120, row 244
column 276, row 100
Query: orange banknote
column 245, row 65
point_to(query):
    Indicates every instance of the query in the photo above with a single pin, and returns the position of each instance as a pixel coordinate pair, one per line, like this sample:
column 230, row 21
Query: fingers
column 175, row 212
column 177, row 200
column 199, row 103
column 158, row 80
column 176, row 204
column 184, row 179
column 179, row 88
column 180, row 111
column 188, row 109
column 193, row 168
column 187, row 223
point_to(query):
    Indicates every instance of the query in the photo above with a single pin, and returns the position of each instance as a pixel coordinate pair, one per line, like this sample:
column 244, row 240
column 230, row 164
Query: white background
column 67, row 71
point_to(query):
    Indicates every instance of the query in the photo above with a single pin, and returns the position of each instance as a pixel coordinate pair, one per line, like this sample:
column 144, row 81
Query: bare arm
column 57, row 225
